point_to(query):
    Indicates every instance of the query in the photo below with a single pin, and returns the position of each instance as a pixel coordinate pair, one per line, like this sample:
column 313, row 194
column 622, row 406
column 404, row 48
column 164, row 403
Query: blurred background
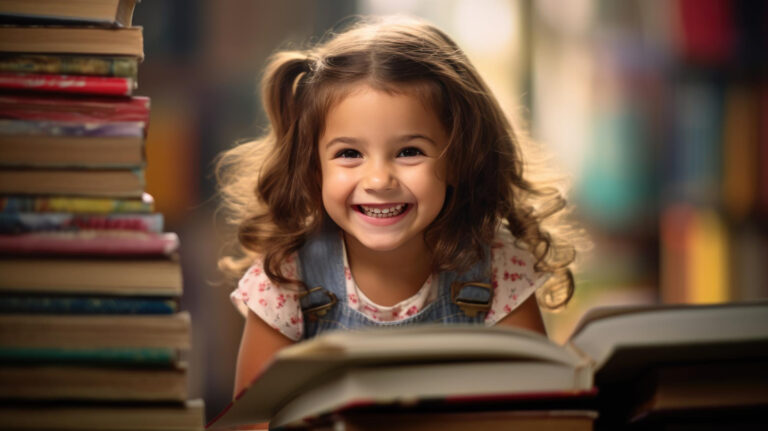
column 656, row 109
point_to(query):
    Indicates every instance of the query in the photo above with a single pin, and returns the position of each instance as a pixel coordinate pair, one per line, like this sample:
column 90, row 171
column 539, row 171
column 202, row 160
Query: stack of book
column 635, row 367
column 91, row 336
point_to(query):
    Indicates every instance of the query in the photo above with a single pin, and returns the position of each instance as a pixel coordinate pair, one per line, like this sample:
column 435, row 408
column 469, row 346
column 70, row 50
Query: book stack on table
column 91, row 336
column 702, row 367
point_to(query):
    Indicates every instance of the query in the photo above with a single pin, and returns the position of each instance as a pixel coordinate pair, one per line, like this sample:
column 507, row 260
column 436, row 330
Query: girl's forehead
column 426, row 92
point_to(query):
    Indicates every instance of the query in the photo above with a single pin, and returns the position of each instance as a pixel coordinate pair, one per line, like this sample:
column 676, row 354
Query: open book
column 340, row 370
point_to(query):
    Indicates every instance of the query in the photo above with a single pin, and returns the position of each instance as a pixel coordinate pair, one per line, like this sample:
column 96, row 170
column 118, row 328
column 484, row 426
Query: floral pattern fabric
column 512, row 278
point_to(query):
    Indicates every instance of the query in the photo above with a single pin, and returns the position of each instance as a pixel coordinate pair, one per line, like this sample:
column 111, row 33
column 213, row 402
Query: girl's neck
column 388, row 277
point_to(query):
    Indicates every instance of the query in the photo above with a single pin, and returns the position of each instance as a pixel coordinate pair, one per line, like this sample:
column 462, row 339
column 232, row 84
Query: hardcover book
column 101, row 243
column 188, row 416
column 125, row 67
column 64, row 149
column 93, row 383
column 75, row 109
column 77, row 205
column 91, row 85
column 87, row 332
column 115, row 183
column 25, row 222
column 69, row 304
column 143, row 277
column 72, row 40
column 29, row 130
column 100, row 12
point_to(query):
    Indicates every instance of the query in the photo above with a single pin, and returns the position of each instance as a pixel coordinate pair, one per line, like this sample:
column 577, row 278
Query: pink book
column 108, row 243
column 74, row 108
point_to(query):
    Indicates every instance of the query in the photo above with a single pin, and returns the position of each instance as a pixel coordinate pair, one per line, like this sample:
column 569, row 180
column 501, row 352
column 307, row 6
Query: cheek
column 336, row 185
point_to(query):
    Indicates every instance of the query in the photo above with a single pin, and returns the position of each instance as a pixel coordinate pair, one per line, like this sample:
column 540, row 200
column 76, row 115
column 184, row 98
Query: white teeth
column 383, row 212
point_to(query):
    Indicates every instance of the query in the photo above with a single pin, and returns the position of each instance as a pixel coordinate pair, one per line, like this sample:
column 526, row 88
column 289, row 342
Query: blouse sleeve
column 277, row 305
column 512, row 277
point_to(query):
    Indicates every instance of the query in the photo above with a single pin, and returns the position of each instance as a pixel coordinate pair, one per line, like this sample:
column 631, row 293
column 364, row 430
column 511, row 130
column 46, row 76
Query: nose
column 379, row 177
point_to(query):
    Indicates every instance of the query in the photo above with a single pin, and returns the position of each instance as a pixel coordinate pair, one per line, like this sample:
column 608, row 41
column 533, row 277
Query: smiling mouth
column 380, row 211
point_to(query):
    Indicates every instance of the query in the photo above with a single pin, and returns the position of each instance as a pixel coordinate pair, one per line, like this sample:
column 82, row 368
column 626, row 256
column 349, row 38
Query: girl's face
column 383, row 177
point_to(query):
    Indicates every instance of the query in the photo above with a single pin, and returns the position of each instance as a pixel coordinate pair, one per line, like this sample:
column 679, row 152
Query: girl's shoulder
column 277, row 305
column 505, row 244
column 513, row 276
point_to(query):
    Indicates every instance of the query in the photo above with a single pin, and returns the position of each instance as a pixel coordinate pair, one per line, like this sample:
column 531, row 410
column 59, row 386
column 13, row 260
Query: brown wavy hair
column 272, row 186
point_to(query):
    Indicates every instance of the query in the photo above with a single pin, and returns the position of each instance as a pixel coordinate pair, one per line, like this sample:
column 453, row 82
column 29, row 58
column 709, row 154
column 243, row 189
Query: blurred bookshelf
column 670, row 171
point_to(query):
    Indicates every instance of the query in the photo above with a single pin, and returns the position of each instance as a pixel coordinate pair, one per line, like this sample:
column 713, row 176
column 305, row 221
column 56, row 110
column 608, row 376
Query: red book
column 707, row 30
column 75, row 109
column 98, row 85
column 90, row 243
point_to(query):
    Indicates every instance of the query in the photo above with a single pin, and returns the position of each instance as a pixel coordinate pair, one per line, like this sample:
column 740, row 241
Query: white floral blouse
column 512, row 277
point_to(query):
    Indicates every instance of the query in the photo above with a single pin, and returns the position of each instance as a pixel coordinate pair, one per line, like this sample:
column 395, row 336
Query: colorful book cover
column 95, row 85
column 78, row 205
column 707, row 266
column 47, row 304
column 741, row 130
column 125, row 67
column 143, row 356
column 763, row 151
column 90, row 243
column 75, row 109
column 694, row 170
column 23, row 222
column 68, row 128
column 707, row 30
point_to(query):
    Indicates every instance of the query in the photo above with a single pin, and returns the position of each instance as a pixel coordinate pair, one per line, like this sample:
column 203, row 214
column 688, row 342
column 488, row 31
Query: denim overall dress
column 462, row 298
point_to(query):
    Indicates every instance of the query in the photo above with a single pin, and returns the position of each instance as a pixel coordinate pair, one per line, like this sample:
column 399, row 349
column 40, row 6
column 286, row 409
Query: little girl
column 388, row 191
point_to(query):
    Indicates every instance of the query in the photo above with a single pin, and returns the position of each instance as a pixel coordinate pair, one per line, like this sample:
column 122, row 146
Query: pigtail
column 279, row 87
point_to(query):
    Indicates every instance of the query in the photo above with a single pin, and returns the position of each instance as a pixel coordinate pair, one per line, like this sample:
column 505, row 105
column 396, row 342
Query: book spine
column 23, row 222
column 96, row 85
column 106, row 356
column 739, row 149
column 763, row 152
column 75, row 109
column 85, row 305
column 124, row 67
column 112, row 183
column 76, row 205
column 136, row 129
column 124, row 41
column 707, row 31
column 90, row 243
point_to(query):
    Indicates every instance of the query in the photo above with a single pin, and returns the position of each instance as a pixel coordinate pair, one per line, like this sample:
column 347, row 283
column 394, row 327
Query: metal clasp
column 322, row 309
column 471, row 306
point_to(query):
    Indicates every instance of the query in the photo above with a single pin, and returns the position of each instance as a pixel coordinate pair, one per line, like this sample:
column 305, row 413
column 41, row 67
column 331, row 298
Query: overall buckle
column 317, row 305
column 472, row 297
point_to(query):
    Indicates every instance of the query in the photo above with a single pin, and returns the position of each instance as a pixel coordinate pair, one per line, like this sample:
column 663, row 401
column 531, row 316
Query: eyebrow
column 400, row 139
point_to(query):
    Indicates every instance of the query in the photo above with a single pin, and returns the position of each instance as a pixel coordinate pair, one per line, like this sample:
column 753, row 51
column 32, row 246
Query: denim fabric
column 321, row 264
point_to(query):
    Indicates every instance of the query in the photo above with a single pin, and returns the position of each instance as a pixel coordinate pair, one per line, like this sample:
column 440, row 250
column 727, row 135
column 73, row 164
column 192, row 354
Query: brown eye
column 348, row 154
column 410, row 152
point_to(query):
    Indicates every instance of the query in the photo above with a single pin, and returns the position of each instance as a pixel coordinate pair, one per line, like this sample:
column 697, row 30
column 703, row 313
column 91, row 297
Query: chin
column 381, row 246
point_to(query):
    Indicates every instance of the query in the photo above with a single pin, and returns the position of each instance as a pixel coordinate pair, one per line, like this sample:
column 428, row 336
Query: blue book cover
column 86, row 305
column 105, row 356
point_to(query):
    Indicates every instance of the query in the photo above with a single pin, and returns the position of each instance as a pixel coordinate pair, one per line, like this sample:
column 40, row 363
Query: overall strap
column 471, row 291
column 322, row 270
